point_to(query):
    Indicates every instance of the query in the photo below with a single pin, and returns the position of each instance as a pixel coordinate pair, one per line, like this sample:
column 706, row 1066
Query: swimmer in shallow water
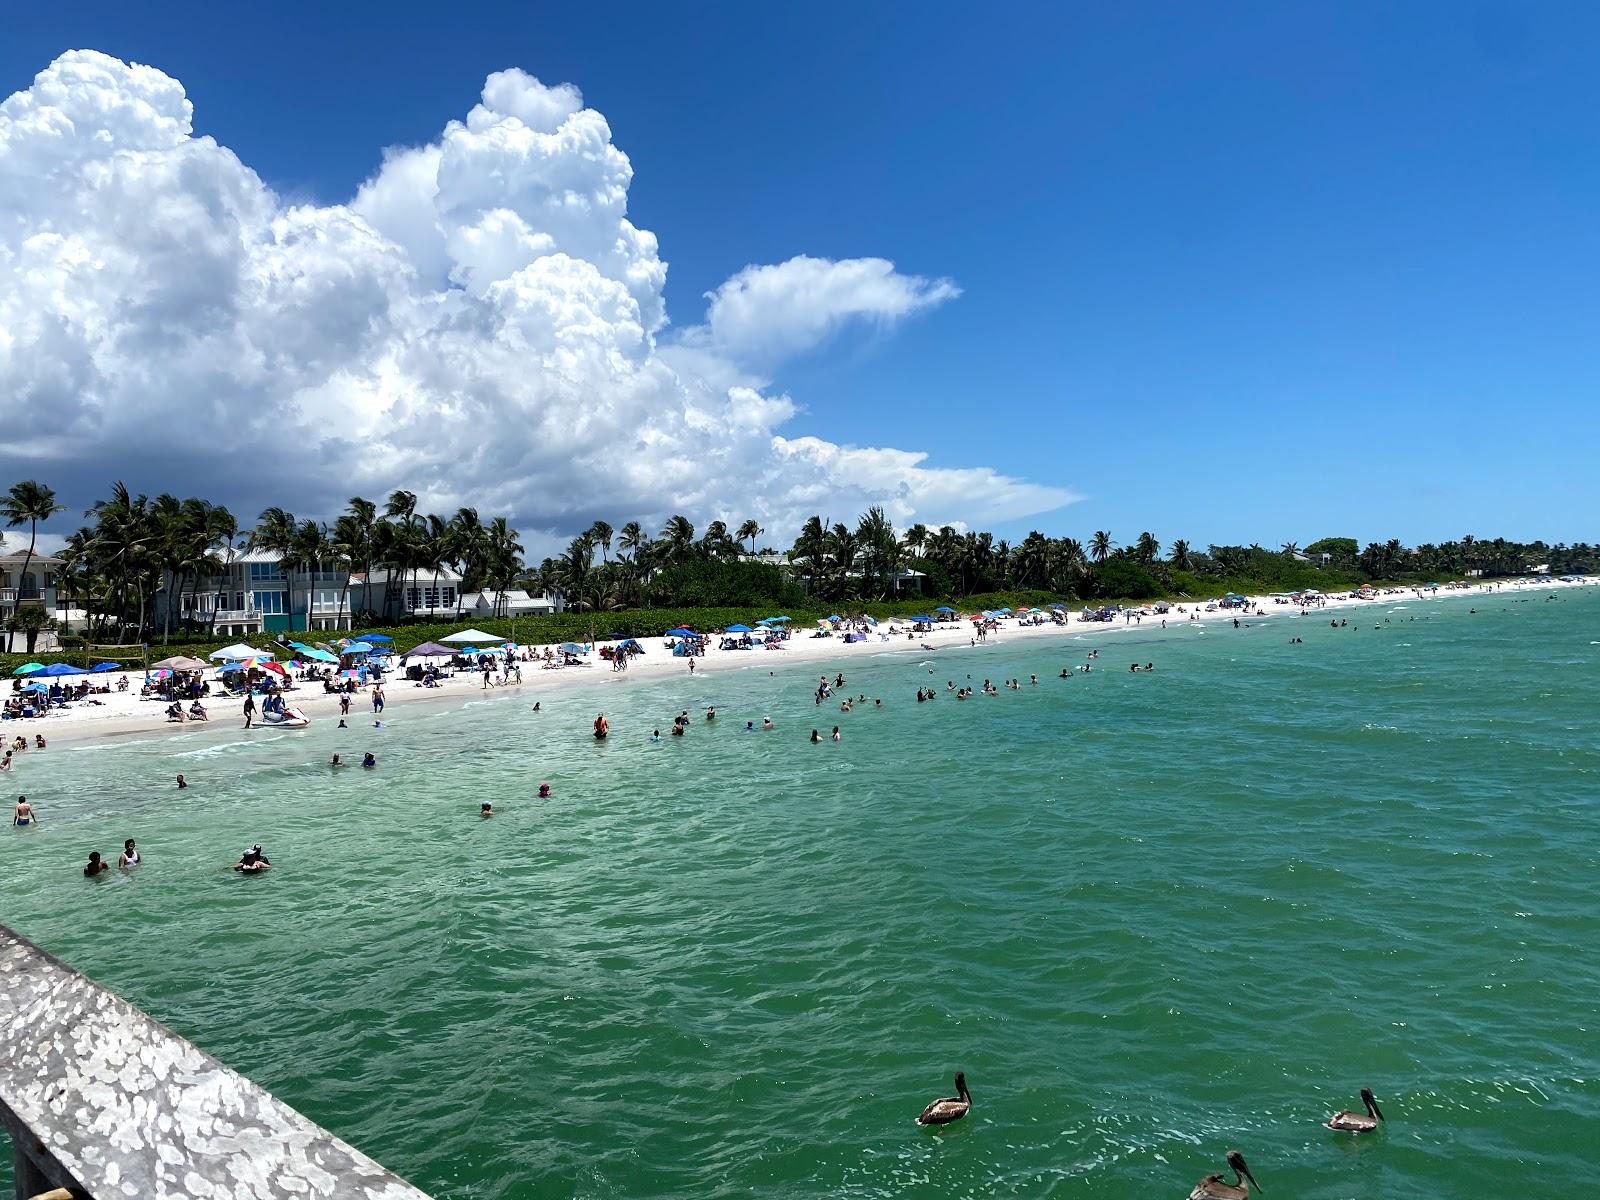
column 655, row 735
column 836, row 733
column 253, row 859
column 95, row 864
column 368, row 760
column 816, row 736
column 129, row 856
column 23, row 813
column 544, row 791
column 487, row 810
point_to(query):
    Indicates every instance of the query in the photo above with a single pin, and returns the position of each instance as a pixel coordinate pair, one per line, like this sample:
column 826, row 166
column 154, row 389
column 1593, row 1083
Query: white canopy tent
column 471, row 637
column 236, row 653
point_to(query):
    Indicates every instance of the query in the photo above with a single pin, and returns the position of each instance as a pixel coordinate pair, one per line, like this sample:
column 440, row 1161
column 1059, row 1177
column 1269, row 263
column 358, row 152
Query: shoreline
column 125, row 716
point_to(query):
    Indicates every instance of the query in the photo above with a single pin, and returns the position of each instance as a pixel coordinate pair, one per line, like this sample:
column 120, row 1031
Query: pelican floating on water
column 1214, row 1187
column 1352, row 1122
column 949, row 1108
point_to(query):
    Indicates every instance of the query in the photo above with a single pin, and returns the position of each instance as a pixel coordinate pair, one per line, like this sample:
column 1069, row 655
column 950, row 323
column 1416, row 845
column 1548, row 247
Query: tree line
column 135, row 551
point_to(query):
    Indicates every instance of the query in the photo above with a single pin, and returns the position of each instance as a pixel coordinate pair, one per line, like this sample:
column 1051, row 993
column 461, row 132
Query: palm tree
column 677, row 538
column 1179, row 557
column 1147, row 547
column 1100, row 546
column 1290, row 549
column 717, row 543
column 29, row 501
column 811, row 546
column 275, row 533
column 309, row 550
column 600, row 534
column 916, row 539
column 401, row 508
column 751, row 530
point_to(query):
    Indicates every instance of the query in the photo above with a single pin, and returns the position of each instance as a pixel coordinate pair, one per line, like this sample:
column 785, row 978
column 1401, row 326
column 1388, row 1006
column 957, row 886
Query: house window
column 263, row 572
column 270, row 603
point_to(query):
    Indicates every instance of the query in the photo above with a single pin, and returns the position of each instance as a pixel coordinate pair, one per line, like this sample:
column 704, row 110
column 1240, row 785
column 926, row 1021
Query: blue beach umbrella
column 834, row 617
column 680, row 632
column 944, row 608
column 925, row 619
column 375, row 637
column 357, row 648
column 738, row 629
column 572, row 648
column 61, row 669
column 774, row 620
column 36, row 687
column 99, row 667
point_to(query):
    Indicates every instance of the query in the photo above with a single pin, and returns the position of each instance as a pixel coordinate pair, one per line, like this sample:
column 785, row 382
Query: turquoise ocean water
column 1152, row 917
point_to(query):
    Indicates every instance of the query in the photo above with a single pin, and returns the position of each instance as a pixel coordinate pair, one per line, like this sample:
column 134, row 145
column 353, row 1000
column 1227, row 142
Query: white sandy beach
column 126, row 714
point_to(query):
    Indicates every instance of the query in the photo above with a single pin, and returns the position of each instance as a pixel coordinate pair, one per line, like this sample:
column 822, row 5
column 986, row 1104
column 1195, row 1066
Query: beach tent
column 738, row 629
column 630, row 644
column 680, row 632
column 235, row 652
column 1059, row 607
column 925, row 620
column 430, row 650
column 28, row 668
column 468, row 636
column 61, row 669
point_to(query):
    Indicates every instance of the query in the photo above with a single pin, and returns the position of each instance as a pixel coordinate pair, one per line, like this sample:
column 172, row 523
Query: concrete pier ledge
column 104, row 1101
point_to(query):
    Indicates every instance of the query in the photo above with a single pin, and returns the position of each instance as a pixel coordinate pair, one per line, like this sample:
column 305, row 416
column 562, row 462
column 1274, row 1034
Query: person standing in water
column 23, row 813
column 249, row 710
column 129, row 856
column 602, row 727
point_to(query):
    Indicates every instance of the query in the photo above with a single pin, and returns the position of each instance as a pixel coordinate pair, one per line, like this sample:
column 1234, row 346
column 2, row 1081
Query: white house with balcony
column 35, row 587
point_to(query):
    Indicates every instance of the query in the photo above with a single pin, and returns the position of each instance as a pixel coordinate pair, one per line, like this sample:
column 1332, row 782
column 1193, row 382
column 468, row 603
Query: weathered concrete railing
column 102, row 1101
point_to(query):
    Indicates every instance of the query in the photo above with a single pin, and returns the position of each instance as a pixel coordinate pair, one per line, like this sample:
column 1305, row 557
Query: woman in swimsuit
column 129, row 856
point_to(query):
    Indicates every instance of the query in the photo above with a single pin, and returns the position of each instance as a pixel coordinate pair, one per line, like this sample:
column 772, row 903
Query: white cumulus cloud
column 767, row 313
column 479, row 324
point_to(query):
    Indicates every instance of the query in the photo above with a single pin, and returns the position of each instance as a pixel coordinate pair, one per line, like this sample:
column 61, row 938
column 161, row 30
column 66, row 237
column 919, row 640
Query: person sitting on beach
column 129, row 856
column 197, row 713
column 487, row 810
column 368, row 760
column 175, row 712
column 95, row 864
column 253, row 860
column 23, row 813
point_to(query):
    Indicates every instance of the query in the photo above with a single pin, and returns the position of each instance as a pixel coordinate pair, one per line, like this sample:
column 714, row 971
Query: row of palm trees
column 643, row 569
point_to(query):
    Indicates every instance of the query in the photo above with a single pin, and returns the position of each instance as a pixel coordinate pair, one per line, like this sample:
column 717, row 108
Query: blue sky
column 1248, row 273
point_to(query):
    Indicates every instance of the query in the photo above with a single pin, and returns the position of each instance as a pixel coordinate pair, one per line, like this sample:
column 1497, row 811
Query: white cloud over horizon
column 481, row 324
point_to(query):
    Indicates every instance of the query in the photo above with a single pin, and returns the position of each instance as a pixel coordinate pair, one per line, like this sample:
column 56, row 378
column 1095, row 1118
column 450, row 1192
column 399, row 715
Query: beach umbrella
column 944, row 608
column 28, row 668
column 1059, row 607
column 236, row 653
column 36, row 687
column 468, row 636
column 764, row 620
column 108, row 666
column 430, row 650
column 572, row 648
column 738, row 629
column 680, row 632
column 61, row 669
column 316, row 655
column 177, row 662
column 375, row 637
column 357, row 648
column 834, row 617
column 924, row 619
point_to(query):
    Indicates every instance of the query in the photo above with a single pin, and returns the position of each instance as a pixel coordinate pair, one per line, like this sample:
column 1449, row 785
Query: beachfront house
column 253, row 593
column 35, row 588
column 509, row 603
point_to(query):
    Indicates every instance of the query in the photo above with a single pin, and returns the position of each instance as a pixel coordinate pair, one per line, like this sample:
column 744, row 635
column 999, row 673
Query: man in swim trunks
column 602, row 727
column 95, row 864
column 23, row 814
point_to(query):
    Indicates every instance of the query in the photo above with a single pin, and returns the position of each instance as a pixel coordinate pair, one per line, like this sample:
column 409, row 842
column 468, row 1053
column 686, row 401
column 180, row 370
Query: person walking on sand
column 377, row 697
column 249, row 710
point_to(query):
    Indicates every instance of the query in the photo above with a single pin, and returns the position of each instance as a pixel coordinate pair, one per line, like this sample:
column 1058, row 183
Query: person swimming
column 544, row 791
column 816, row 736
column 253, row 859
column 767, row 725
column 129, row 856
column 749, row 726
column 711, row 712
column 487, row 810
column 336, row 761
column 342, row 724
column 182, row 783
column 95, row 865
column 836, row 733
column 368, row 759
column 655, row 735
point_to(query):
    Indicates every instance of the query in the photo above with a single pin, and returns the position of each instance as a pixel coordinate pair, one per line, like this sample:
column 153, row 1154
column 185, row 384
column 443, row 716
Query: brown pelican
column 1349, row 1122
column 1214, row 1187
column 949, row 1108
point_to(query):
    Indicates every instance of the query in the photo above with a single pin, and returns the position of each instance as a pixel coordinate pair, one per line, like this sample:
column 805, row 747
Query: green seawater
column 1152, row 917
